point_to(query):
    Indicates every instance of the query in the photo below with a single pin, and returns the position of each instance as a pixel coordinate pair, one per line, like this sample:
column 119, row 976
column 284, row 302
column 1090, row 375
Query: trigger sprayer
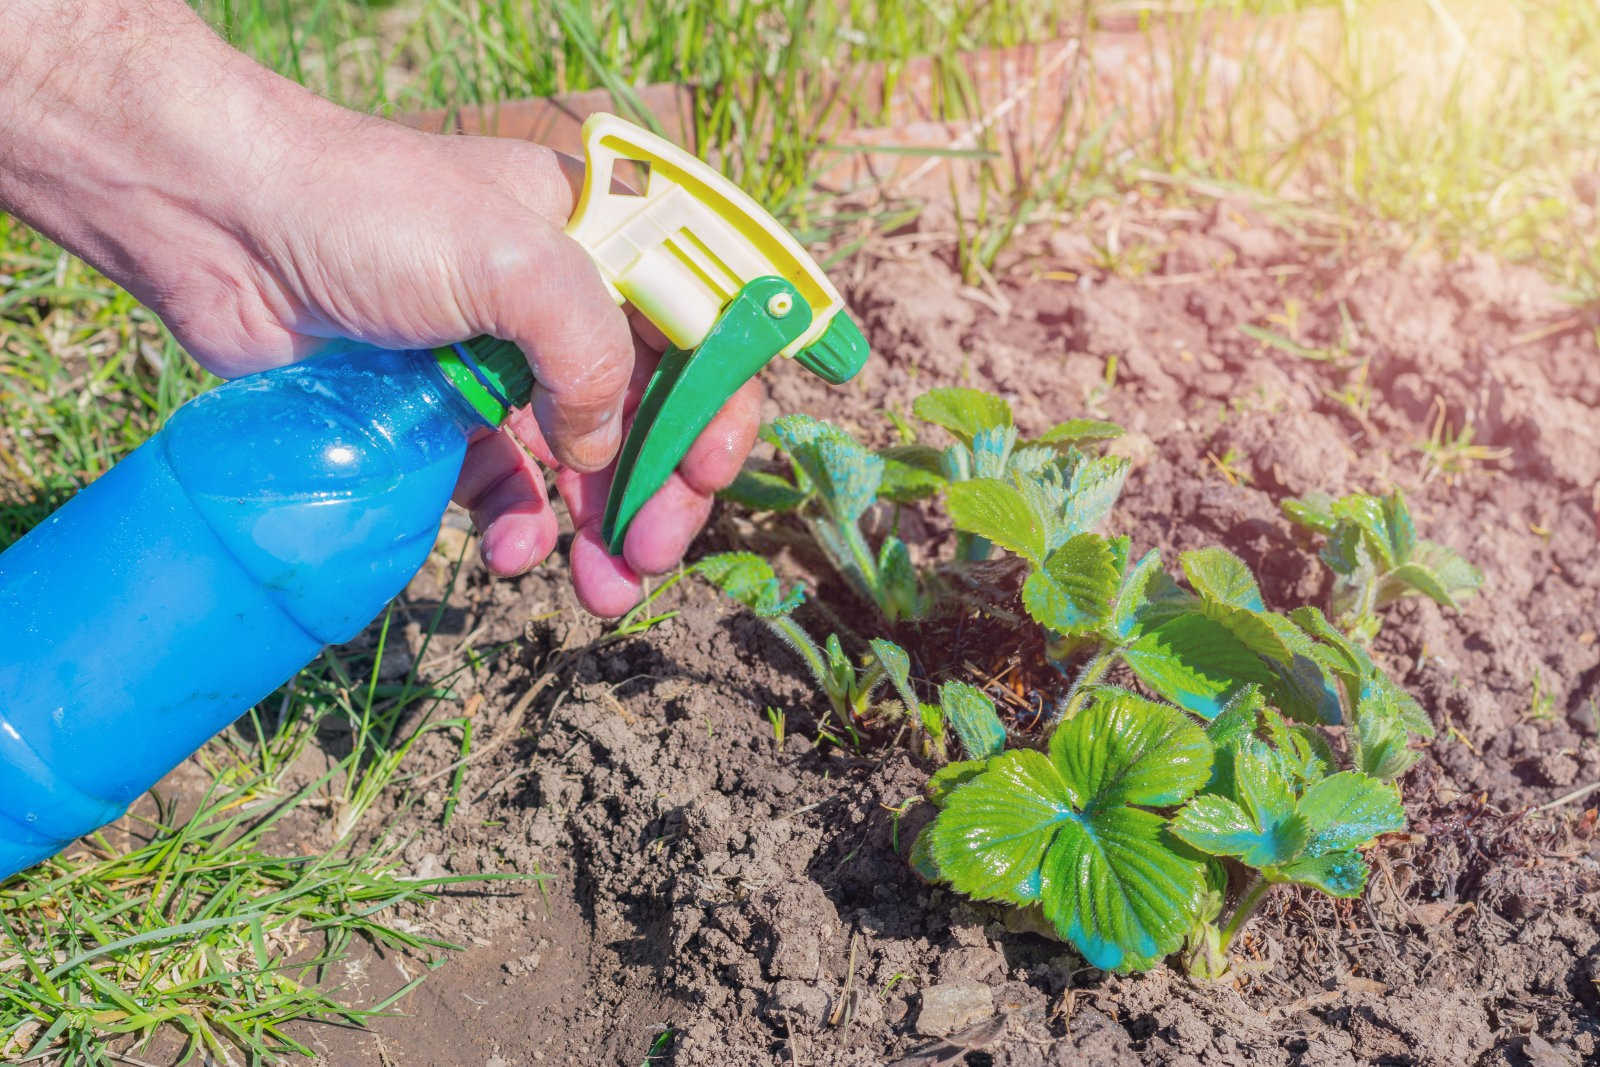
column 279, row 512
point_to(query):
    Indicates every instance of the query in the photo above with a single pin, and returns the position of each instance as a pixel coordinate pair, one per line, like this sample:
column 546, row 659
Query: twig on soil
column 1576, row 794
column 794, row 1051
column 838, row 1014
column 513, row 722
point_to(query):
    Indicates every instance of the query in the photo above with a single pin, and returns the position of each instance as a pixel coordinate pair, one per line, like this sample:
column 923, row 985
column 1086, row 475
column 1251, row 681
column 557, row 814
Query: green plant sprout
column 962, row 708
column 1230, row 466
column 1376, row 557
column 835, row 480
column 1541, row 701
column 1453, row 454
column 749, row 579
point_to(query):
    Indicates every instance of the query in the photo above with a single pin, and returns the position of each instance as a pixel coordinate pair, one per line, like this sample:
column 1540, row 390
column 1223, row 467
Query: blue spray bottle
column 280, row 512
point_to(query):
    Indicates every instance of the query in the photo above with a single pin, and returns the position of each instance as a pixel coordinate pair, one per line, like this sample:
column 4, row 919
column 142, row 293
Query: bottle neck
column 490, row 375
column 468, row 416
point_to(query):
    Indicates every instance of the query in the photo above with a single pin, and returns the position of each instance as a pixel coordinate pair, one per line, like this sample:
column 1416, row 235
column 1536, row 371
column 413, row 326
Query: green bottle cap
column 493, row 375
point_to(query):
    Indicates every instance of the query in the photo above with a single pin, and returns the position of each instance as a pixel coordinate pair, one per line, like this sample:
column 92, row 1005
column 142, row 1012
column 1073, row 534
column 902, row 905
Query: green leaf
column 1346, row 553
column 1093, row 490
column 991, row 837
column 931, row 716
column 1133, row 898
column 760, row 490
column 995, row 510
column 1194, row 662
column 1379, row 745
column 841, row 672
column 1146, row 598
column 1123, row 749
column 1458, row 577
column 749, row 579
column 991, row 449
column 897, row 665
column 1349, row 809
column 1405, row 706
column 1301, row 754
column 970, row 713
column 1218, row 827
column 921, row 858
column 1313, row 511
column 1071, row 594
column 1380, row 748
column 1434, row 571
column 910, row 473
column 1368, row 515
column 1340, row 874
column 1030, row 460
column 1238, row 719
column 1411, row 578
column 948, row 778
column 1079, row 432
column 964, row 412
column 1060, row 831
column 1256, row 630
column 845, row 474
column 1301, row 686
column 899, row 583
column 1397, row 524
column 1336, row 652
column 1219, row 575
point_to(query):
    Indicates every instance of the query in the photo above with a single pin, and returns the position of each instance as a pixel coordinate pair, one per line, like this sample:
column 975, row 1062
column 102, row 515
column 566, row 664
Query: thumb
column 536, row 286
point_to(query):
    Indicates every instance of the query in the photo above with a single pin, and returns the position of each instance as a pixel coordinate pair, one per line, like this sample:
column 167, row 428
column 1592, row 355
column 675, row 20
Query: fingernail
column 507, row 554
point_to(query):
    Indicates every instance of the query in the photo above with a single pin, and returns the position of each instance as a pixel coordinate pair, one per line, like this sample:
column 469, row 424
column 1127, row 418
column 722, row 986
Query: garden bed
column 746, row 893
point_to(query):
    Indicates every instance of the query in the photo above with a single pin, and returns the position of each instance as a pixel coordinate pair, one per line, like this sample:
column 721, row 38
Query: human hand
column 404, row 239
column 261, row 223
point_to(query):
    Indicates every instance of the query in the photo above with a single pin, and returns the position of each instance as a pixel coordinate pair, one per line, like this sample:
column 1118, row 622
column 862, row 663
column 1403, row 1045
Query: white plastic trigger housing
column 684, row 247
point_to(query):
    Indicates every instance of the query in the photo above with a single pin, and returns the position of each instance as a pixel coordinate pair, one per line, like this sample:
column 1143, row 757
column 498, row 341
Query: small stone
column 1558, row 769
column 951, row 1006
column 430, row 867
column 978, row 963
column 802, row 1000
column 1541, row 1053
column 523, row 965
column 496, row 1061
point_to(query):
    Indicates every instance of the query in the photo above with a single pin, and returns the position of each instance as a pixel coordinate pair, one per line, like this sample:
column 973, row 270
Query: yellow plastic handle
column 684, row 247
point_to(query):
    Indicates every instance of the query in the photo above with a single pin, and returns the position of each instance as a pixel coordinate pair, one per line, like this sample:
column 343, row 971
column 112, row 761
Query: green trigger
column 690, row 387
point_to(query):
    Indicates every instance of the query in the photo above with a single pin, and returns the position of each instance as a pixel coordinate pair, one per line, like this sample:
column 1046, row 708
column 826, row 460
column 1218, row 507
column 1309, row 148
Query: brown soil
column 750, row 896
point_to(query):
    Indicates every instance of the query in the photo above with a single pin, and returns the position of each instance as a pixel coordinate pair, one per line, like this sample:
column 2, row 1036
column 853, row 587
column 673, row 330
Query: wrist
column 134, row 136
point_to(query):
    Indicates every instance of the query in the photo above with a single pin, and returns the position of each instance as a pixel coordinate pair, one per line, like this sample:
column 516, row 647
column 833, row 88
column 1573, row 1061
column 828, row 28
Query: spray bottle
column 280, row 512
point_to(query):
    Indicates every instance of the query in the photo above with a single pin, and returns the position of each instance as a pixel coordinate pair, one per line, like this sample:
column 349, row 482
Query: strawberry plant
column 749, row 579
column 1376, row 557
column 1262, row 750
column 987, row 445
column 834, row 480
column 849, row 688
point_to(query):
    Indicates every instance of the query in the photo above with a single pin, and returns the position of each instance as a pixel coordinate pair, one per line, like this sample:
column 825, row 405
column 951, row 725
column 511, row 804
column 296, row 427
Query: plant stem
column 1249, row 901
column 850, row 534
column 970, row 548
column 872, row 676
column 796, row 638
column 1092, row 672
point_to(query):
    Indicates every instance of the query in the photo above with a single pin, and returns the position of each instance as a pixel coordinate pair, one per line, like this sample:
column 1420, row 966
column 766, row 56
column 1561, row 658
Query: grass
column 212, row 928
column 213, row 924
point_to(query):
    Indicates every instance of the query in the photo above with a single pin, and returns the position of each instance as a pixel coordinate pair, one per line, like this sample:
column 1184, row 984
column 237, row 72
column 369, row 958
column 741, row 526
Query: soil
column 746, row 893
